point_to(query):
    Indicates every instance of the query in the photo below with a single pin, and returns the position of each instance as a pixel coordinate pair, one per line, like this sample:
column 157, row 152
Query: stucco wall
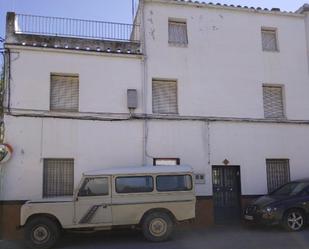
column 103, row 80
column 223, row 68
column 102, row 144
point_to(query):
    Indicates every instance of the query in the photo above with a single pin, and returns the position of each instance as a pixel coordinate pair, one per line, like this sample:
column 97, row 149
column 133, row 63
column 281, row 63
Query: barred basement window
column 273, row 102
column 58, row 177
column 278, row 173
column 177, row 32
column 269, row 39
column 64, row 92
column 164, row 97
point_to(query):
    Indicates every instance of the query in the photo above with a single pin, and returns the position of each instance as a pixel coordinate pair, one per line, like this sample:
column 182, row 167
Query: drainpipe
column 144, row 78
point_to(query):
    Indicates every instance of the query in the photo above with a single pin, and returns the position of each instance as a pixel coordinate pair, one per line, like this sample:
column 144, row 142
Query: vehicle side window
column 94, row 187
column 174, row 183
column 134, row 184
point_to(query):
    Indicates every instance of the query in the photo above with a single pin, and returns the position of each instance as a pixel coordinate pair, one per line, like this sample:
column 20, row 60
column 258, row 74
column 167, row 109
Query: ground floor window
column 58, row 177
column 166, row 161
column 278, row 173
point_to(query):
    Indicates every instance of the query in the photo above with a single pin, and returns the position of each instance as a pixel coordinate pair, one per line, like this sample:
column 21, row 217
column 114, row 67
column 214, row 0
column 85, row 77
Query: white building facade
column 221, row 88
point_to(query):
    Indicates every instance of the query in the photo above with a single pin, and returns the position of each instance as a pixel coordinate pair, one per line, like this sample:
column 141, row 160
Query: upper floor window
column 164, row 97
column 64, row 92
column 58, row 177
column 273, row 102
column 269, row 39
column 177, row 32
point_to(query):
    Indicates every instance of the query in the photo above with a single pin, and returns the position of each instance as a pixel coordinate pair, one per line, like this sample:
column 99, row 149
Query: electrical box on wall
column 200, row 179
column 132, row 98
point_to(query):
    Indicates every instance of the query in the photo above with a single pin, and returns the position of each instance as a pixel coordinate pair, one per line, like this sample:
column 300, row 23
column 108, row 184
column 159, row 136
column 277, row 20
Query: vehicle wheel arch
column 161, row 210
column 295, row 208
column 45, row 215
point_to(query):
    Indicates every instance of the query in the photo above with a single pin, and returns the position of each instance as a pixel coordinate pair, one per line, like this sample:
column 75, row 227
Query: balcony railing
column 76, row 28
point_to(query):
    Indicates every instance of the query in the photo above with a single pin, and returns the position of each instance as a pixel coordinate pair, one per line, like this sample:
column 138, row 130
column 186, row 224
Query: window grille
column 278, row 173
column 58, row 177
column 273, row 102
column 64, row 92
column 164, row 97
column 177, row 32
column 269, row 40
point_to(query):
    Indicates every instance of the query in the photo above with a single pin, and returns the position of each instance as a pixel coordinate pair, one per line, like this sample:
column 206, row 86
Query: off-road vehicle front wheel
column 41, row 233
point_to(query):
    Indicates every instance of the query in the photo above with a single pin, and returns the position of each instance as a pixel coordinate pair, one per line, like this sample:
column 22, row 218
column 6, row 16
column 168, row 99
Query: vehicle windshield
column 290, row 189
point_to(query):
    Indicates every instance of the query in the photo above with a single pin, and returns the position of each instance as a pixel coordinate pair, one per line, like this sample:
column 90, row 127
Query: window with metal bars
column 177, row 32
column 64, row 92
column 164, row 97
column 278, row 173
column 273, row 102
column 58, row 177
column 269, row 39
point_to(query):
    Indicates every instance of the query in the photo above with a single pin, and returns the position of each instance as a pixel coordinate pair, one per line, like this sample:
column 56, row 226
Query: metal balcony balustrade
column 76, row 28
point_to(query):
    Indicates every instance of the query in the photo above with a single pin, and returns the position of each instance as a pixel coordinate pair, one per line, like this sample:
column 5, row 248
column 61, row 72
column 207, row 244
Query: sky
column 109, row 10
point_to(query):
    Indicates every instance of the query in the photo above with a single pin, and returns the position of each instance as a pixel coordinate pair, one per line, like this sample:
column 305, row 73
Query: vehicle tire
column 294, row 220
column 41, row 233
column 157, row 226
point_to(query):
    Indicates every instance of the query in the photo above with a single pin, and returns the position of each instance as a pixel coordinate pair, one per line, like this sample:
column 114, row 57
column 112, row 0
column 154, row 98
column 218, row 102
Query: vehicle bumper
column 260, row 217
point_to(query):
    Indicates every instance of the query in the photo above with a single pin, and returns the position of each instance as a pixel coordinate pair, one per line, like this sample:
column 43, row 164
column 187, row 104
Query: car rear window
column 134, row 184
column 174, row 183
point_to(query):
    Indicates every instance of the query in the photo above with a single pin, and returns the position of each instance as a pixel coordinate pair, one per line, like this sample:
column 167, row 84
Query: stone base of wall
column 10, row 215
column 9, row 220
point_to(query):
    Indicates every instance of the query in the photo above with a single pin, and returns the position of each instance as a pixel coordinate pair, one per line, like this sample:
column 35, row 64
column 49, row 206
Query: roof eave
column 257, row 10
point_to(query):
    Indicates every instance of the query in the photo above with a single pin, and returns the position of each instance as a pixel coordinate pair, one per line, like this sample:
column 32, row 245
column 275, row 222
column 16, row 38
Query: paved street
column 219, row 237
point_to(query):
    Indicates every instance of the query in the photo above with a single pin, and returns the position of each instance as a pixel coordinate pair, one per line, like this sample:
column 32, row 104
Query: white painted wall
column 104, row 144
column 220, row 73
column 249, row 145
column 222, row 70
column 103, row 80
column 92, row 144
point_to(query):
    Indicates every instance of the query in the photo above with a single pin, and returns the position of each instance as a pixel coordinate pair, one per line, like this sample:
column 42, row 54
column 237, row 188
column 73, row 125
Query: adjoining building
column 221, row 88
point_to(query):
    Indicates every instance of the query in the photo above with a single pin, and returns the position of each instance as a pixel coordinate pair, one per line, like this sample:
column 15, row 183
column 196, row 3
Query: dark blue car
column 288, row 205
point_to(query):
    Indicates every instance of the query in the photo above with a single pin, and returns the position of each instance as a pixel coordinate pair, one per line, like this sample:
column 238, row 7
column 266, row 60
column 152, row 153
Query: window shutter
column 164, row 97
column 269, row 40
column 278, row 173
column 273, row 102
column 64, row 93
column 177, row 32
column 58, row 177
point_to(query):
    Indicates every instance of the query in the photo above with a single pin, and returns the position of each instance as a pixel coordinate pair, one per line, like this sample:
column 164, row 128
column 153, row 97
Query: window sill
column 180, row 45
column 271, row 51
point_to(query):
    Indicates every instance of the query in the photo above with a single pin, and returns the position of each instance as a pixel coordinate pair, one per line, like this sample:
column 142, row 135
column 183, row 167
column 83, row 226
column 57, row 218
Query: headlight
column 269, row 209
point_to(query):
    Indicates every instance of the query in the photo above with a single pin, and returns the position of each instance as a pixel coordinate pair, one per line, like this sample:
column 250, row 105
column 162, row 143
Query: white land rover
column 153, row 198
